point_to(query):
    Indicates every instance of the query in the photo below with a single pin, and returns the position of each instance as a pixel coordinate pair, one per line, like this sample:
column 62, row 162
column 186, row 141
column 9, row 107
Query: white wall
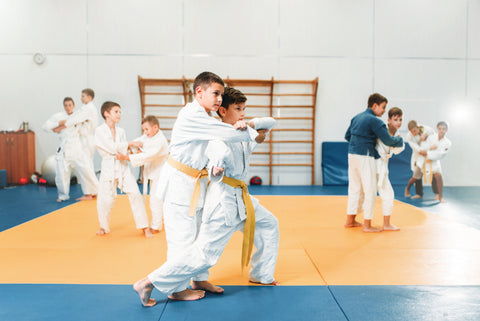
column 423, row 55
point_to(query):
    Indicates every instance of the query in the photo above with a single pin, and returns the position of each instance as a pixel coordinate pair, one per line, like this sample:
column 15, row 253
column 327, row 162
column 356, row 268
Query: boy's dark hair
column 376, row 98
column 412, row 124
column 68, row 99
column 205, row 79
column 89, row 92
column 152, row 120
column 442, row 123
column 106, row 107
column 394, row 111
column 232, row 96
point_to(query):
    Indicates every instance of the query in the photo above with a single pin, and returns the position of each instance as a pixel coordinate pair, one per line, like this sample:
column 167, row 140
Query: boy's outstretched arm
column 383, row 134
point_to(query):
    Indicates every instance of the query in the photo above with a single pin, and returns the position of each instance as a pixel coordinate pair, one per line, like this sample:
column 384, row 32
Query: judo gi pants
column 174, row 276
column 181, row 230
column 362, row 177
column 107, row 191
column 387, row 195
column 84, row 173
column 156, row 205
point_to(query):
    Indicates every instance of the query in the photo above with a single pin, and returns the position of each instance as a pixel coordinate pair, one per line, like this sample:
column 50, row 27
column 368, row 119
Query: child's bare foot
column 154, row 231
column 147, row 232
column 88, row 197
column 442, row 200
column 187, row 295
column 275, row 282
column 390, row 227
column 207, row 286
column 101, row 232
column 414, row 197
column 144, row 289
column 59, row 200
column 353, row 224
column 371, row 229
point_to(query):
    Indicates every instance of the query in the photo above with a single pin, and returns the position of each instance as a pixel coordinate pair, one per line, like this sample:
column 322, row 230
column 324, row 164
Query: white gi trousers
column 107, row 191
column 386, row 194
column 174, row 276
column 156, row 205
column 361, row 178
column 85, row 175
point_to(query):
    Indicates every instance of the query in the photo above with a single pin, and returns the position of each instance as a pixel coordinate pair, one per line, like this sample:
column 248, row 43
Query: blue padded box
column 3, row 178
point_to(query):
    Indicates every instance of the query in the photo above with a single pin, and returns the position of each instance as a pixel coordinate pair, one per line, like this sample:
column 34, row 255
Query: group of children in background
column 79, row 135
column 197, row 181
column 371, row 144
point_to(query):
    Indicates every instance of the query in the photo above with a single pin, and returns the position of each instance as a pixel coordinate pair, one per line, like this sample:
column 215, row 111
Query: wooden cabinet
column 17, row 155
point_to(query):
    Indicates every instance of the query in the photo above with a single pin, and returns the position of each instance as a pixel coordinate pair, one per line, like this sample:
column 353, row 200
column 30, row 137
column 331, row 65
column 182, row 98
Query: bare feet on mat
column 187, row 295
column 101, row 232
column 154, row 231
column 275, row 282
column 88, row 197
column 371, row 229
column 353, row 224
column 207, row 286
column 390, row 227
column 147, row 232
column 414, row 197
column 59, row 200
column 407, row 193
column 144, row 289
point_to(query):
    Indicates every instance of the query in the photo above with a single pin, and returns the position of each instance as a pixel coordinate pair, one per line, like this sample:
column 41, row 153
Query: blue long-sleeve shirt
column 363, row 132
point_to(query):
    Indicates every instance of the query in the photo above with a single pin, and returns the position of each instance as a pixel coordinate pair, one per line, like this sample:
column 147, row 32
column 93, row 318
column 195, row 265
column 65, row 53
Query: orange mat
column 315, row 248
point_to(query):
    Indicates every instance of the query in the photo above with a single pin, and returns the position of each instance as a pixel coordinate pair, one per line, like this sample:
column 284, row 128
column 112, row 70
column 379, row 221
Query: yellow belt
column 195, row 173
column 249, row 230
column 430, row 177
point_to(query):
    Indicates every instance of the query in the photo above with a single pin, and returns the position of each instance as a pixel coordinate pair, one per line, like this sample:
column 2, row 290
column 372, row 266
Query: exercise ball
column 48, row 170
column 255, row 180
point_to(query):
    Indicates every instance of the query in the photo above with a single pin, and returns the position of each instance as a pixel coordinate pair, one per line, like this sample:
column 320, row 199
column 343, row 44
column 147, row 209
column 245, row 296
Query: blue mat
column 390, row 302
column 119, row 302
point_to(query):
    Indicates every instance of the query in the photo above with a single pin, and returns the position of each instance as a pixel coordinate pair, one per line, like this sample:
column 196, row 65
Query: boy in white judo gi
column 385, row 190
column 224, row 213
column 152, row 156
column 362, row 134
column 182, row 183
column 111, row 140
column 86, row 119
column 434, row 149
column 70, row 154
column 416, row 136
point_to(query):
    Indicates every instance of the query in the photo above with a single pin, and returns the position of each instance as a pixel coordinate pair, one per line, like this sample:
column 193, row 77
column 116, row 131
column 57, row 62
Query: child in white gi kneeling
column 111, row 140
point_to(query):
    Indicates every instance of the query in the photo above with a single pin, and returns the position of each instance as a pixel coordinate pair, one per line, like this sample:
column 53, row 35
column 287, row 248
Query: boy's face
column 379, row 110
column 86, row 98
column 234, row 113
column 396, row 121
column 149, row 129
column 210, row 97
column 68, row 106
column 114, row 114
column 441, row 129
column 415, row 131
